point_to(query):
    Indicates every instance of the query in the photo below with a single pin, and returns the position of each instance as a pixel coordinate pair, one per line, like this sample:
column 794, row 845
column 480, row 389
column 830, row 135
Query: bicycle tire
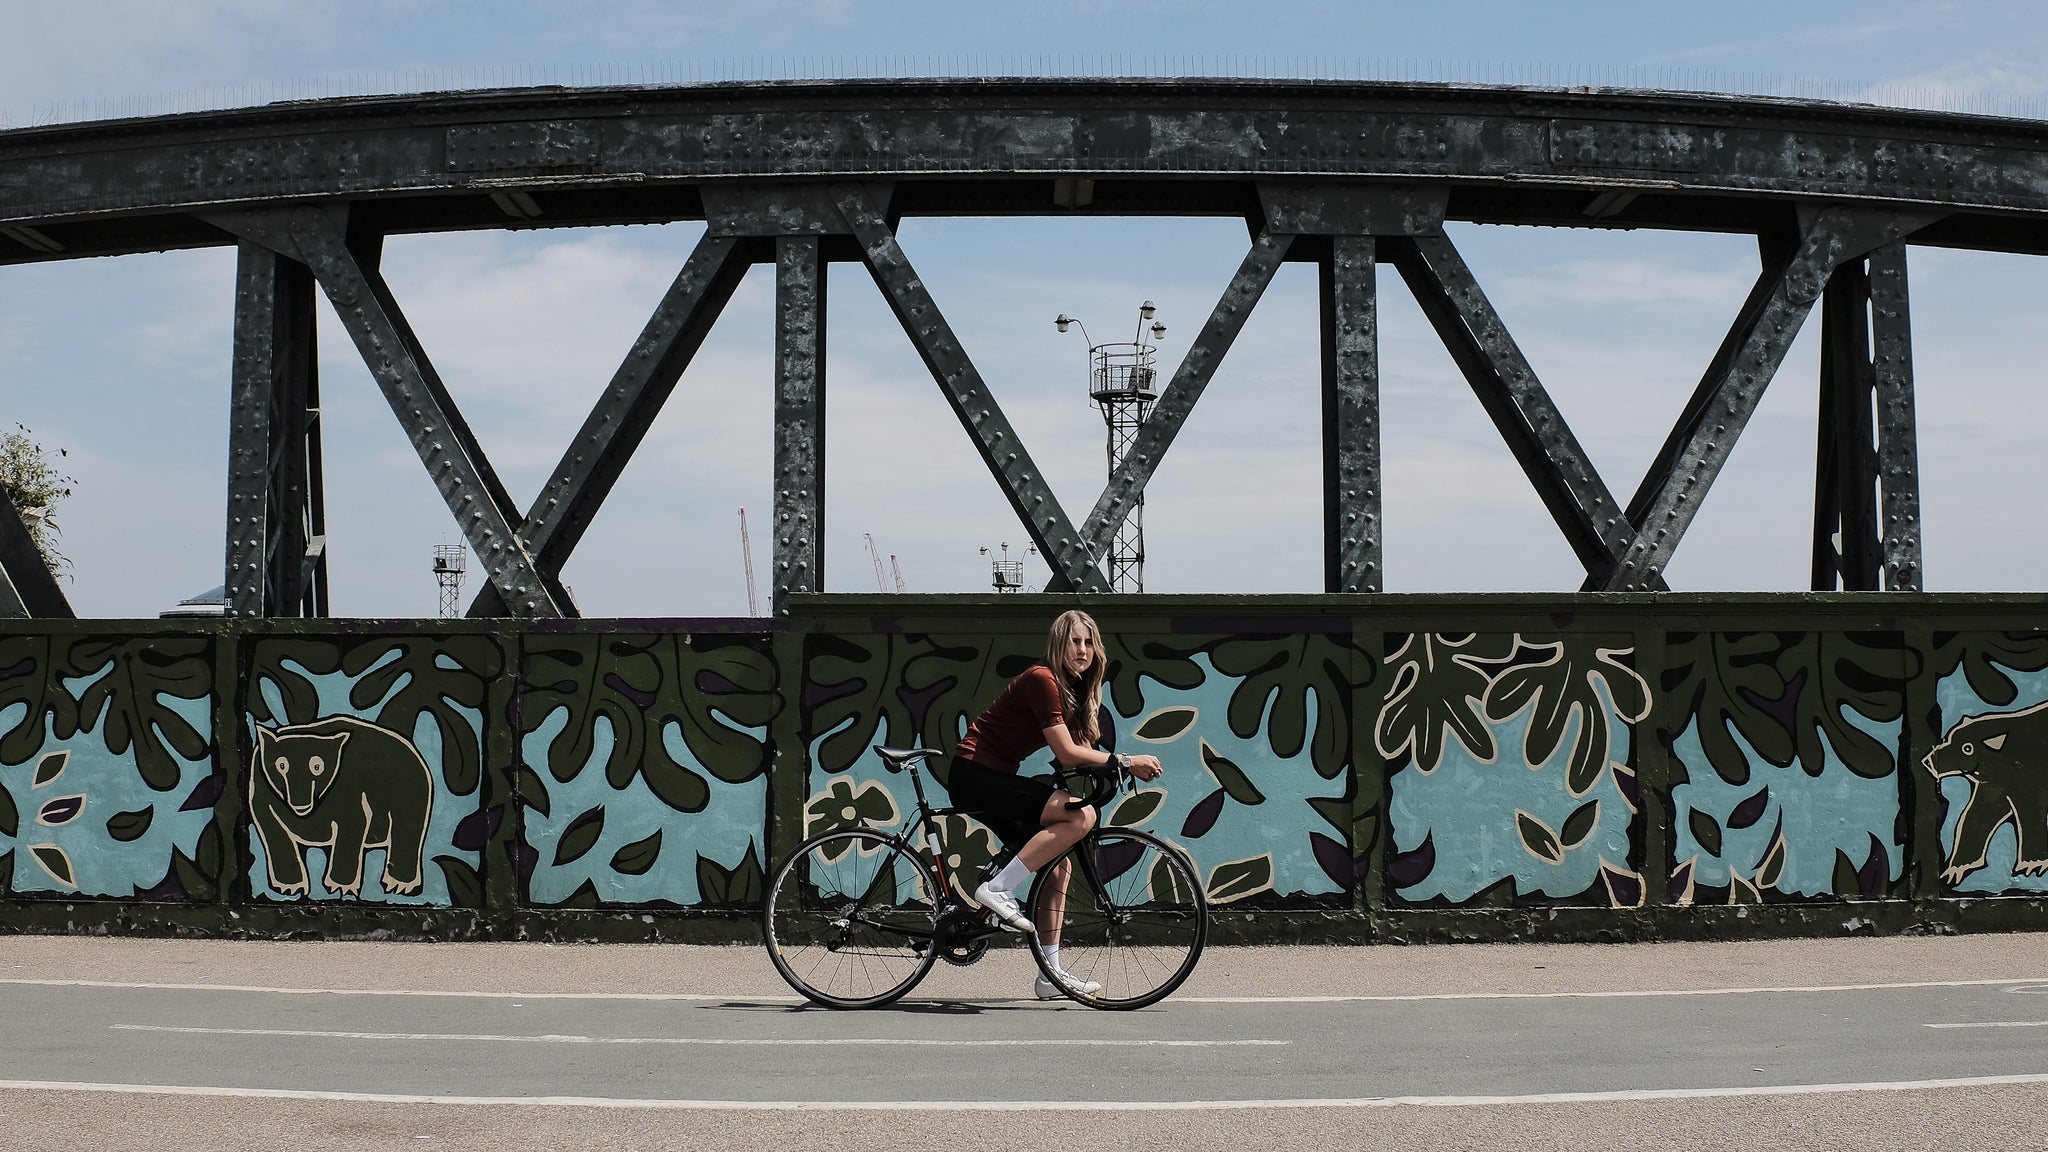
column 850, row 918
column 1135, row 918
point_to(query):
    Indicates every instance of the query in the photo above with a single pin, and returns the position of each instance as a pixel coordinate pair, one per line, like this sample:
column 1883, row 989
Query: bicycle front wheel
column 850, row 918
column 1132, row 918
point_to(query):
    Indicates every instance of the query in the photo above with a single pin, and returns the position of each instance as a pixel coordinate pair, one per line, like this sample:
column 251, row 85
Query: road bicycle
column 856, row 916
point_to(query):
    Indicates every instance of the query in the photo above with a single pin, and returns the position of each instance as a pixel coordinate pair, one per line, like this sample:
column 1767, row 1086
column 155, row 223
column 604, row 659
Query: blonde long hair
column 1080, row 699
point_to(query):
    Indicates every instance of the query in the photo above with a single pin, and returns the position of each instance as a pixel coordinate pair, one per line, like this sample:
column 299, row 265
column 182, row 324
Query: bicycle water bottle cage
column 897, row 759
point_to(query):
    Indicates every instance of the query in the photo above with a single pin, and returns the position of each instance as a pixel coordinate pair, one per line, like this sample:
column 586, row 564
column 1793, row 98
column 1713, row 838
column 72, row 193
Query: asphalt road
column 1859, row 1043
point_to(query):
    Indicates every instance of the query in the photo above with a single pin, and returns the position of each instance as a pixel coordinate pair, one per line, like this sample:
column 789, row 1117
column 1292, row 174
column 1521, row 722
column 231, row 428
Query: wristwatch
column 1122, row 762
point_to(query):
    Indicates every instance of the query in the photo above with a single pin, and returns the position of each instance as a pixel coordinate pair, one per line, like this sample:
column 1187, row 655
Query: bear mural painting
column 347, row 786
column 2004, row 757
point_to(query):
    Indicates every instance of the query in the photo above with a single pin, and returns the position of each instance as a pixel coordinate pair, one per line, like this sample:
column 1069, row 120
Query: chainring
column 962, row 936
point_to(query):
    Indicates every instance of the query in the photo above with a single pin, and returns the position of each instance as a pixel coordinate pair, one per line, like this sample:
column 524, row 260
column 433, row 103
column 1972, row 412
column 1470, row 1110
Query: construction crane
column 875, row 554
column 747, row 559
column 898, row 570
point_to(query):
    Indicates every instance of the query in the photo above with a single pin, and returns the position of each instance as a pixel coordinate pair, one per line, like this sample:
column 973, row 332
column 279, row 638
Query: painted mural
column 107, row 774
column 1511, row 771
column 1253, row 732
column 365, row 768
column 643, row 772
column 1324, row 767
column 1787, row 782
column 1991, row 763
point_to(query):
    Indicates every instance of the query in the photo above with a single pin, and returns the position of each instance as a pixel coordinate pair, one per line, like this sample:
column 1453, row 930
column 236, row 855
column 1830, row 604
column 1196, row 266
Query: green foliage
column 31, row 479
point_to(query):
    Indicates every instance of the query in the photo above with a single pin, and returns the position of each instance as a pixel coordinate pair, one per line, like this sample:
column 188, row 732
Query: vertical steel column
column 1351, row 417
column 1845, row 544
column 1898, row 454
column 276, row 562
column 799, row 547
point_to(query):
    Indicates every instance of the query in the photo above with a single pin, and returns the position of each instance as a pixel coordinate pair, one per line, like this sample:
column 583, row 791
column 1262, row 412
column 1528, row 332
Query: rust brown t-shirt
column 1014, row 726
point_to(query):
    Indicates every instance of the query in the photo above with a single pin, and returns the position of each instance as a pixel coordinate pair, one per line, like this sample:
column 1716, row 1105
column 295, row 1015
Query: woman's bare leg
column 1063, row 828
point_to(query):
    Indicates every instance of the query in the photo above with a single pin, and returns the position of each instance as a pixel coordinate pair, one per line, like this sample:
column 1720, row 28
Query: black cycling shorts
column 1011, row 805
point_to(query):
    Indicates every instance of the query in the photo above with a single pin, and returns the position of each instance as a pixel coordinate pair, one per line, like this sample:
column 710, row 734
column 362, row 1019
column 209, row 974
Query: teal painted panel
column 1511, row 761
column 643, row 773
column 107, row 780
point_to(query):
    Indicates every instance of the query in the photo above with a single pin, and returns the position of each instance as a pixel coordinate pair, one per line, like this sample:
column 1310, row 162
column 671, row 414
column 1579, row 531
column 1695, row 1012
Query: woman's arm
column 1070, row 754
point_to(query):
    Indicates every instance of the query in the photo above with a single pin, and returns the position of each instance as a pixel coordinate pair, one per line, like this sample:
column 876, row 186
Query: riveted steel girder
column 26, row 586
column 1898, row 452
column 276, row 527
column 798, row 552
column 1845, row 543
column 612, row 155
column 474, row 495
column 1351, row 417
column 1670, row 495
column 1022, row 484
column 619, row 421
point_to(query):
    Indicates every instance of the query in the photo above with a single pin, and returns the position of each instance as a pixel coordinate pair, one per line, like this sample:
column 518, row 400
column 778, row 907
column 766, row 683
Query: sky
column 123, row 362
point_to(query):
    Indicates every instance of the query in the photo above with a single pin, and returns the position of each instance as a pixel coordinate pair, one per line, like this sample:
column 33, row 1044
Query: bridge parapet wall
column 1339, row 767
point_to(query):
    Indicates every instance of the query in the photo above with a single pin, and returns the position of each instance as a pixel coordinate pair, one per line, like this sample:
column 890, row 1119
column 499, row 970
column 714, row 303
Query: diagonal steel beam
column 26, row 586
column 472, row 490
column 617, row 424
column 1127, row 484
column 1023, row 485
column 1898, row 453
column 1671, row 491
column 1550, row 455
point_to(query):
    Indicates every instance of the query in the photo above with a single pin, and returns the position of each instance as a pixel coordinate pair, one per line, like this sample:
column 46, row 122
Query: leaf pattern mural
column 1509, row 760
column 93, row 729
column 666, row 734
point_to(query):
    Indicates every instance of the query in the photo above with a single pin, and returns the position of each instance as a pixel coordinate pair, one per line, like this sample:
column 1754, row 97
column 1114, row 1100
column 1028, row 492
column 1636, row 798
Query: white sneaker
column 1004, row 907
column 1047, row 990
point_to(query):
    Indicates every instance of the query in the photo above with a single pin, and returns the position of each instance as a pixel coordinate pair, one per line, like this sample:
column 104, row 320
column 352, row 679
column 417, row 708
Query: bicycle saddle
column 897, row 759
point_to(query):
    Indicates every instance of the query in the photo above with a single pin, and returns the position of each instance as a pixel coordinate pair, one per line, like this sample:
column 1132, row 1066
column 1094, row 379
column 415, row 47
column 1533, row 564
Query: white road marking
column 2035, row 982
column 1996, row 1024
column 616, row 1102
column 737, row 1042
column 1611, row 994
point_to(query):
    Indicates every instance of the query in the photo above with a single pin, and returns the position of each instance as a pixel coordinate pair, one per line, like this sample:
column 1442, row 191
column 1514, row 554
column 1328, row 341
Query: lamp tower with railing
column 1123, row 383
column 1005, row 574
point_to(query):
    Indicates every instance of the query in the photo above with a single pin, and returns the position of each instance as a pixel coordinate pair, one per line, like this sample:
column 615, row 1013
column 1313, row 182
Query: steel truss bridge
column 1347, row 176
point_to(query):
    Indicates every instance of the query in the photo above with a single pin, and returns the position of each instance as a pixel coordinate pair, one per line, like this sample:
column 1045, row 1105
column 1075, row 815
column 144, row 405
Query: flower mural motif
column 845, row 802
column 1437, row 684
column 969, row 846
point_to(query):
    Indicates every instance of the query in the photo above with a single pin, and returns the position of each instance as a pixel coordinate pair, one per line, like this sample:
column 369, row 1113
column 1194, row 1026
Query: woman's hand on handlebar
column 1146, row 768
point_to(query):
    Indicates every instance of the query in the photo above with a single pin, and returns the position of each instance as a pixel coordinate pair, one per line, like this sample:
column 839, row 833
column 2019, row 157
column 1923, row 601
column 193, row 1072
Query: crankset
column 962, row 936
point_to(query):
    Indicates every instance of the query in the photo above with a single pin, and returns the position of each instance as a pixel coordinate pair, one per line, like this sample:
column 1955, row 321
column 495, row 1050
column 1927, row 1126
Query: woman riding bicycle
column 1053, row 705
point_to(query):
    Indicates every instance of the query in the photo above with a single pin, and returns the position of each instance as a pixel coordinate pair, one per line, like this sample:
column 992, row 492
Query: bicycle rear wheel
column 1133, row 918
column 850, row 918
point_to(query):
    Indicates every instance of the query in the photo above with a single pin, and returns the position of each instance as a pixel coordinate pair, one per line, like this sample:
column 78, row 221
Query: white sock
column 1013, row 874
column 1052, row 956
